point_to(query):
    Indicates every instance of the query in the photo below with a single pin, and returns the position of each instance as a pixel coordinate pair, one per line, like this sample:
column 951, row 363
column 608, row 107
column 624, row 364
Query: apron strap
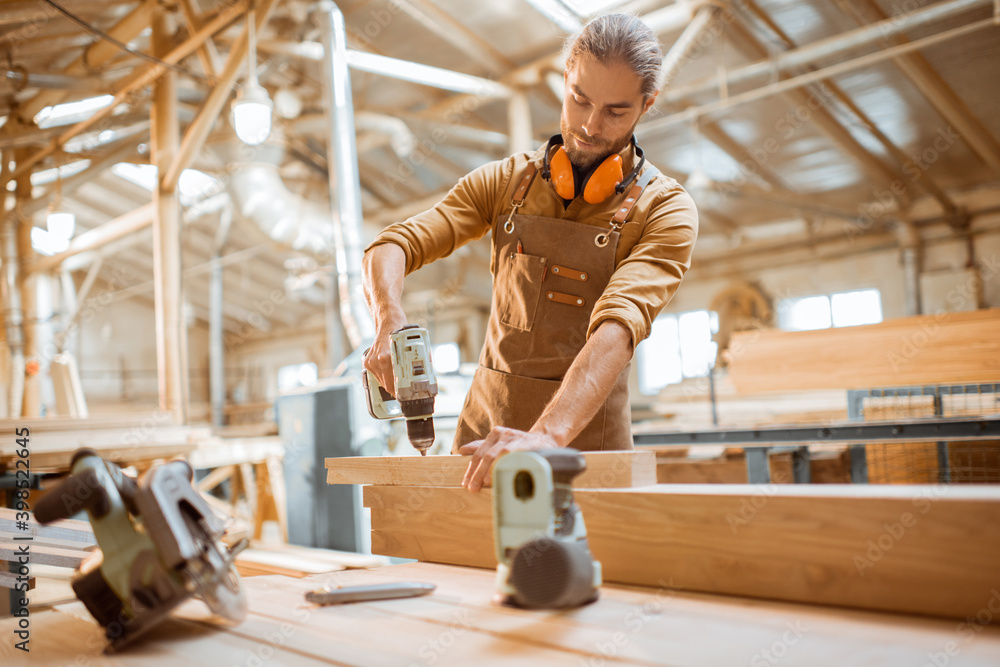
column 648, row 174
column 522, row 189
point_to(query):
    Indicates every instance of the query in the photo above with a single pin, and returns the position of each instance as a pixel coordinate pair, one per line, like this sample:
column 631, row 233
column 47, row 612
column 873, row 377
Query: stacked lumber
column 828, row 465
column 928, row 349
column 298, row 561
column 912, row 549
column 62, row 544
column 125, row 439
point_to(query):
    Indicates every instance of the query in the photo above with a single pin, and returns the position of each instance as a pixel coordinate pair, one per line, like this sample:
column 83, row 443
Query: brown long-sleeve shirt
column 654, row 247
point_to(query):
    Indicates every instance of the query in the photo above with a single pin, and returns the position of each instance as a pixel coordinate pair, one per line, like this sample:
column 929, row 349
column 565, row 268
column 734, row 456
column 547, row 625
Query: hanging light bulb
column 252, row 107
column 252, row 114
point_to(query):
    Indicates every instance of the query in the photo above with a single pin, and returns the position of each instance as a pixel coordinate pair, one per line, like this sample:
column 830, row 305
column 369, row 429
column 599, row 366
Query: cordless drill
column 416, row 386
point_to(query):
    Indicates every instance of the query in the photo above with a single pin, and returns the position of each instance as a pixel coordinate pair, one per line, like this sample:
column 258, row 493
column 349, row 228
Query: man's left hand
column 500, row 441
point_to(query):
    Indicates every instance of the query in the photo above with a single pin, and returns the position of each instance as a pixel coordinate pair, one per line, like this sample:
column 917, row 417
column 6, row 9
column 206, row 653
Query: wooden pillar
column 171, row 332
column 519, row 123
column 32, row 401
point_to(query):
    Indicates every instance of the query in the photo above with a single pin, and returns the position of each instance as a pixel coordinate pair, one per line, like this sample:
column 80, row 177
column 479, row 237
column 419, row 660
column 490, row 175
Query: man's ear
column 649, row 102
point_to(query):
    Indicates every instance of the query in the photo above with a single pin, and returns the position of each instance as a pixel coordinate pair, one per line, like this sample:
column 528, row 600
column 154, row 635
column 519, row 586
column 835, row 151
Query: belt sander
column 539, row 534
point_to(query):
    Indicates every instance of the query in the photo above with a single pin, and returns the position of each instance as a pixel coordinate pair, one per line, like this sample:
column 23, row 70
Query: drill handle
column 381, row 404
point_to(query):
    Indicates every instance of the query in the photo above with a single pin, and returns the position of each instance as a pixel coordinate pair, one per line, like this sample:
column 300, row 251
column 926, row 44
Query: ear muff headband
column 607, row 179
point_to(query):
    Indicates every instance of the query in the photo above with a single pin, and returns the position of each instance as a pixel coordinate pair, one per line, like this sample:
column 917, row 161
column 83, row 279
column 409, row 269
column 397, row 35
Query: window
column 854, row 308
column 297, row 375
column 590, row 7
column 843, row 309
column 446, row 358
column 679, row 346
column 71, row 112
column 805, row 314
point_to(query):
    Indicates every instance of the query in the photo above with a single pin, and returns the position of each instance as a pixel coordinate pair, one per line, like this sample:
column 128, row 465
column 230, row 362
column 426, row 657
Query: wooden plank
column 298, row 561
column 44, row 555
column 9, row 580
column 913, row 549
column 216, row 452
column 7, row 537
column 124, row 455
column 126, row 439
column 604, row 470
column 68, row 530
column 927, row 349
column 825, row 468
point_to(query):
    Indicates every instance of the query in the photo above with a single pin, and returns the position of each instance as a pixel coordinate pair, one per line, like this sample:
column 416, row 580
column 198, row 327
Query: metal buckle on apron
column 602, row 239
column 509, row 225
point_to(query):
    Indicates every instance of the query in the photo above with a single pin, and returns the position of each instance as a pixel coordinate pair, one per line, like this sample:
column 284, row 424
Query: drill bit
column 420, row 432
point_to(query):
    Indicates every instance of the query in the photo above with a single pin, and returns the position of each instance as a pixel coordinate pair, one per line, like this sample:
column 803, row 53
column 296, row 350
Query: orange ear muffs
column 607, row 179
column 562, row 174
column 604, row 180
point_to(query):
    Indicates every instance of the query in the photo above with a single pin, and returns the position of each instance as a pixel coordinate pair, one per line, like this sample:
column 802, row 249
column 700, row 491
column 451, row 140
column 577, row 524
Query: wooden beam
column 99, row 53
column 141, row 78
column 208, row 113
column 604, row 470
column 213, row 105
column 207, row 53
column 928, row 349
column 171, row 332
column 909, row 549
column 95, row 238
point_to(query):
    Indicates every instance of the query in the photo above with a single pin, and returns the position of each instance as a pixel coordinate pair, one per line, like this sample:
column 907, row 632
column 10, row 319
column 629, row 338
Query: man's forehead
column 612, row 84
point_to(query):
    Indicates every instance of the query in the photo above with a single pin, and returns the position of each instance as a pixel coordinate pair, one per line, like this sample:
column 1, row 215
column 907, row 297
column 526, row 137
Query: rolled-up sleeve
column 463, row 215
column 644, row 281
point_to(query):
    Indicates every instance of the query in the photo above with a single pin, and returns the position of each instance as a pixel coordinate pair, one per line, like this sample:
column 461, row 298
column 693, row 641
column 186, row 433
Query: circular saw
column 159, row 545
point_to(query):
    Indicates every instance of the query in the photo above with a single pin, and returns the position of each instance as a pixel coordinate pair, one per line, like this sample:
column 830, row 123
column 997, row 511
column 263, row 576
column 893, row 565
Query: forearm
column 587, row 383
column 384, row 267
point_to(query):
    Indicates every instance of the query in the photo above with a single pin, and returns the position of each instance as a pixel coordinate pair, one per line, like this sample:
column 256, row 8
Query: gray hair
column 623, row 38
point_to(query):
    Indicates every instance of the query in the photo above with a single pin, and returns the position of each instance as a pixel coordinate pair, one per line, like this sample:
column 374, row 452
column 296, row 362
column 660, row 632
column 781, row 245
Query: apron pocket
column 519, row 286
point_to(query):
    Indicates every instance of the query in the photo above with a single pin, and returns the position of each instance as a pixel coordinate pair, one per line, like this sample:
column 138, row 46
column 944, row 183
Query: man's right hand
column 378, row 359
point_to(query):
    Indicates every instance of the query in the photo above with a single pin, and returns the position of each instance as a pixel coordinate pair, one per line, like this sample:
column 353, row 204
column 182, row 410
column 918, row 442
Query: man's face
column 601, row 107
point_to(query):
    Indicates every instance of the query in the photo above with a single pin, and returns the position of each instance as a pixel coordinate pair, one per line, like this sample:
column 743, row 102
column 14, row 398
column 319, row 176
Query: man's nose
column 592, row 126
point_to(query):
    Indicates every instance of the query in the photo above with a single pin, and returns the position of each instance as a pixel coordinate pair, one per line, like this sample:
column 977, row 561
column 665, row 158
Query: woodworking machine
column 416, row 386
column 160, row 544
column 539, row 534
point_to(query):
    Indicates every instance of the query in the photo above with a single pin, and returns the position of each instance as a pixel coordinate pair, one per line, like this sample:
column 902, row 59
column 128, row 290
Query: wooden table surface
column 458, row 625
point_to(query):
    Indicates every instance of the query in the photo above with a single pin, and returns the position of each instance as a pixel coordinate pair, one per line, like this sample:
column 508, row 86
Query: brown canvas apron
column 548, row 275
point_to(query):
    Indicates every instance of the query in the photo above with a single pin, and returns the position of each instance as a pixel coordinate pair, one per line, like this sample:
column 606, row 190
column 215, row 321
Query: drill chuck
column 419, row 422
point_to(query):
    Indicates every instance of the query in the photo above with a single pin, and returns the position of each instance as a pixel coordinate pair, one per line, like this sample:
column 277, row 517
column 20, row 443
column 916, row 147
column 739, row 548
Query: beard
column 585, row 160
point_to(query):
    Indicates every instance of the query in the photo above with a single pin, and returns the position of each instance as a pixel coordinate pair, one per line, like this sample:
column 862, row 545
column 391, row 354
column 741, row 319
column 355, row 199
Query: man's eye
column 615, row 115
column 579, row 101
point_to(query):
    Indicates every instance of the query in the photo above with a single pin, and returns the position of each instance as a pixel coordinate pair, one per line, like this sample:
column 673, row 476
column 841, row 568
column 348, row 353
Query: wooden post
column 167, row 260
column 31, row 406
column 519, row 123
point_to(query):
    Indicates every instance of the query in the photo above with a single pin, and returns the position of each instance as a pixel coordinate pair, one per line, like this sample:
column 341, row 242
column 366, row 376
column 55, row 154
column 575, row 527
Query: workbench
column 458, row 625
